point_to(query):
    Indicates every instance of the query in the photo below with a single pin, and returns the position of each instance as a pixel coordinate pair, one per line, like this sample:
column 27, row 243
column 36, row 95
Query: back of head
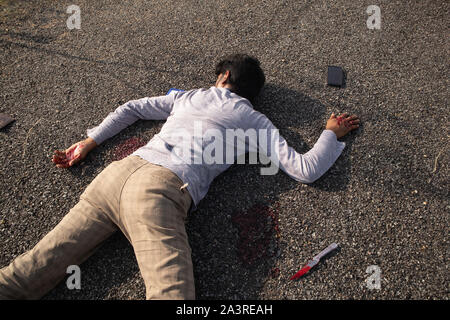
column 246, row 76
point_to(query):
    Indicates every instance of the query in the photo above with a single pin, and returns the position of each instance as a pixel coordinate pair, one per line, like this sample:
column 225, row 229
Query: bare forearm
column 90, row 143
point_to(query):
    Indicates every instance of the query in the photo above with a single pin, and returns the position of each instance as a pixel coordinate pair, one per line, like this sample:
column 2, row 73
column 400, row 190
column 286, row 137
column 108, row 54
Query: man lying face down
column 148, row 194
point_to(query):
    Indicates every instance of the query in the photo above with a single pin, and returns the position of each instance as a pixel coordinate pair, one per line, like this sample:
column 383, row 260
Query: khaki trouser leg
column 35, row 272
column 153, row 211
column 146, row 203
column 91, row 221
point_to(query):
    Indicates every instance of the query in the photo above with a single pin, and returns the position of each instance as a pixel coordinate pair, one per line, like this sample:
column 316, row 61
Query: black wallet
column 336, row 76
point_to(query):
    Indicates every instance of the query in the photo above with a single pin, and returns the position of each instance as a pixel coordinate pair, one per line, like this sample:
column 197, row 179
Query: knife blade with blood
column 314, row 261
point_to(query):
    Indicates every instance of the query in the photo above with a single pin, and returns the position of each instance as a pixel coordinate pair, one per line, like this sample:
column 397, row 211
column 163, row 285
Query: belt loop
column 184, row 186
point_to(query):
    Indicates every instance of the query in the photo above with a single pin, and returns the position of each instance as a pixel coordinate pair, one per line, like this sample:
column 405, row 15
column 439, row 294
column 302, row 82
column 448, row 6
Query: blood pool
column 127, row 147
column 258, row 229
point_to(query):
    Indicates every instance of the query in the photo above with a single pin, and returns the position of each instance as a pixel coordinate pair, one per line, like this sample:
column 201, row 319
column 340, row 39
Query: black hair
column 246, row 76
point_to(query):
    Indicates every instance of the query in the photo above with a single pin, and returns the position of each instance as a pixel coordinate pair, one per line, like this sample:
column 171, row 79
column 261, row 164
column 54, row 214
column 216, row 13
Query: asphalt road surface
column 385, row 201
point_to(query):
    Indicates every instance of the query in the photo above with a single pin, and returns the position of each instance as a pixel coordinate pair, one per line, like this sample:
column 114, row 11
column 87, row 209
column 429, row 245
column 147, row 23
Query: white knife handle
column 324, row 252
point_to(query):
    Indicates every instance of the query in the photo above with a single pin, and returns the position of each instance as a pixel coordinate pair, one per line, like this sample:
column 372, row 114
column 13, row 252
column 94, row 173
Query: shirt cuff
column 331, row 138
column 95, row 134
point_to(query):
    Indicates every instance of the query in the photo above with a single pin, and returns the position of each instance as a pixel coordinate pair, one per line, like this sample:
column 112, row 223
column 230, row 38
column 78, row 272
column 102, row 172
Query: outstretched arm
column 313, row 164
column 156, row 108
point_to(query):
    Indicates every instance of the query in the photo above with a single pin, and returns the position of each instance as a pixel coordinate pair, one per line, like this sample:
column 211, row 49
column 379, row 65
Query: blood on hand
column 64, row 159
column 340, row 120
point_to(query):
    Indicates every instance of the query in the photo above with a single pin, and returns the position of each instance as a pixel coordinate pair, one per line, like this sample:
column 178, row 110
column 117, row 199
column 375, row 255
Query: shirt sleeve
column 305, row 168
column 155, row 108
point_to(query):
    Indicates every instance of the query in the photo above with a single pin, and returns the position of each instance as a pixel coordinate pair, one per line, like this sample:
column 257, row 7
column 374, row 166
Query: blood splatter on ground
column 127, row 147
column 258, row 227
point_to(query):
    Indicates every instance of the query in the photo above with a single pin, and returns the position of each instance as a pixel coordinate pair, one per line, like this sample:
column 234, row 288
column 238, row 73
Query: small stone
column 5, row 120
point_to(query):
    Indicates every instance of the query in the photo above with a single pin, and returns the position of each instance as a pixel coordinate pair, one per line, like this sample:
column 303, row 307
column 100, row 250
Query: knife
column 314, row 261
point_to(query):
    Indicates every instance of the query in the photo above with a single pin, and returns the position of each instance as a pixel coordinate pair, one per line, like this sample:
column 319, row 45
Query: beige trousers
column 146, row 202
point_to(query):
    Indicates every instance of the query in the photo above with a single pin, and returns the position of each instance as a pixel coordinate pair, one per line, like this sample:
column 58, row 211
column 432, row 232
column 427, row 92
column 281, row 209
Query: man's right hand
column 343, row 124
column 74, row 154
